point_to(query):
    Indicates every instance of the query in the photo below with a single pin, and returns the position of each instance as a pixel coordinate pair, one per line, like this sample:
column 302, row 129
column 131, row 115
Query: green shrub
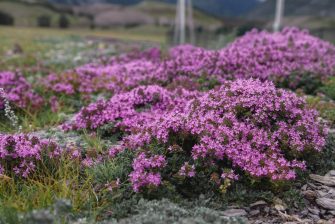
column 44, row 21
column 118, row 167
column 6, row 19
column 329, row 88
column 63, row 21
column 325, row 108
column 308, row 82
column 325, row 161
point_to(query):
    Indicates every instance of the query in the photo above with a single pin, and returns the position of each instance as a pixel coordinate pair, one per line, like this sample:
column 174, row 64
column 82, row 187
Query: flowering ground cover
column 100, row 139
column 291, row 59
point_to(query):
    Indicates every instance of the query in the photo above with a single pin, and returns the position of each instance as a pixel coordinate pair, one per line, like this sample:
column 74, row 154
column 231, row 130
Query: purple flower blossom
column 142, row 175
column 248, row 122
column 229, row 174
column 20, row 153
column 258, row 54
column 18, row 91
column 54, row 104
column 187, row 170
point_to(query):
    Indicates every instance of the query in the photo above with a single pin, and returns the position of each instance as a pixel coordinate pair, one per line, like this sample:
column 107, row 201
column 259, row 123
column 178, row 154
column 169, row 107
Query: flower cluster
column 132, row 109
column 144, row 167
column 20, row 153
column 187, row 170
column 18, row 91
column 262, row 55
column 121, row 73
column 275, row 56
column 245, row 125
column 229, row 174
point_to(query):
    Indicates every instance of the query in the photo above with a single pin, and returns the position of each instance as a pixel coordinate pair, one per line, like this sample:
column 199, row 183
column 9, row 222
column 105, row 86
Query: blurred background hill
column 157, row 17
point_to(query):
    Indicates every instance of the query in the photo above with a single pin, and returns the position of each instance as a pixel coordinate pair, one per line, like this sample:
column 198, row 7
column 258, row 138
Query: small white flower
column 9, row 113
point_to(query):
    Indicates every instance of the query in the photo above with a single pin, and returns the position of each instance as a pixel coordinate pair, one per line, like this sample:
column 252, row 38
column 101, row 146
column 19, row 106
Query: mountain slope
column 148, row 12
column 25, row 14
column 310, row 14
column 223, row 8
column 311, row 8
column 218, row 8
column 81, row 2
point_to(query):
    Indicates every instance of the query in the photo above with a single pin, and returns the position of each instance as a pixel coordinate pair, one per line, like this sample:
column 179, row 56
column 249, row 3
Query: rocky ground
column 319, row 195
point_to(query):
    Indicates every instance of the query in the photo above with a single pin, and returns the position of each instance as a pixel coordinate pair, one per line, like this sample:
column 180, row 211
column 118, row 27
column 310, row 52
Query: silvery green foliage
column 62, row 207
column 164, row 211
column 39, row 217
column 60, row 212
column 63, row 139
column 9, row 113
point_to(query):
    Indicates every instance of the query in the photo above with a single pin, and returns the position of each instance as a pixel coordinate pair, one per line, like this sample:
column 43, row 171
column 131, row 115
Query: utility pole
column 279, row 15
column 177, row 24
column 191, row 21
column 180, row 21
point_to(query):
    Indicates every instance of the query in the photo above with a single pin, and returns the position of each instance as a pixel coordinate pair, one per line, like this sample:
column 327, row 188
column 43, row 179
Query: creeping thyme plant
column 179, row 119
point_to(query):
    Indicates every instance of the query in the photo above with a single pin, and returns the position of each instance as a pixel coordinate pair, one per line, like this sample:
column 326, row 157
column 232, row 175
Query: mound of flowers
column 291, row 53
column 20, row 154
column 258, row 54
column 121, row 74
column 276, row 56
column 245, row 127
column 132, row 109
column 18, row 91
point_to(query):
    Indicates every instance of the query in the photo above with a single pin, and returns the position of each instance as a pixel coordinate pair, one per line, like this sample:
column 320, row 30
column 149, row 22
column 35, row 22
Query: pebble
column 314, row 211
column 234, row 212
column 258, row 204
column 309, row 195
column 320, row 194
column 313, row 186
column 326, row 180
column 254, row 212
column 304, row 212
column 326, row 203
column 266, row 210
column 322, row 211
column 331, row 173
column 314, row 217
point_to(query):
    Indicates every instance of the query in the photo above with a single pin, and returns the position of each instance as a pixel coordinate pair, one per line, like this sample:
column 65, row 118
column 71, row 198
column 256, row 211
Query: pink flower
column 187, row 170
column 230, row 175
column 19, row 91
column 54, row 104
column 21, row 153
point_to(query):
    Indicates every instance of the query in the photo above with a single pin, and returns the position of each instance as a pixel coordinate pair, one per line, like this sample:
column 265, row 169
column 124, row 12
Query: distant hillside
column 148, row 12
column 325, row 8
column 26, row 13
column 218, row 8
column 311, row 14
column 145, row 12
column 82, row 2
column 224, row 8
